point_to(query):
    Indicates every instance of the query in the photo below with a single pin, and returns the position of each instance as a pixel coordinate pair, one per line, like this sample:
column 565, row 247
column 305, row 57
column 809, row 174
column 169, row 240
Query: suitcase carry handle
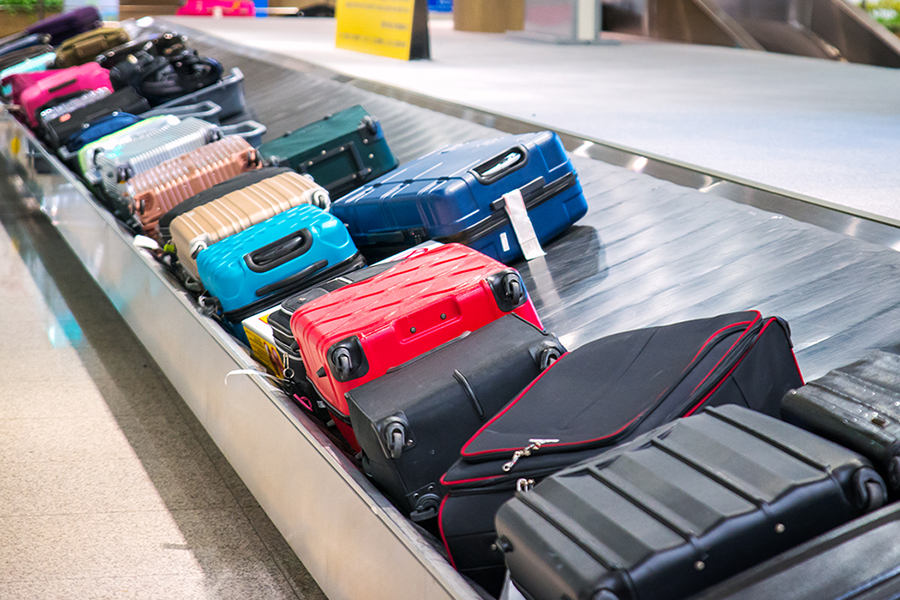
column 56, row 88
column 501, row 165
column 294, row 279
column 279, row 252
column 249, row 130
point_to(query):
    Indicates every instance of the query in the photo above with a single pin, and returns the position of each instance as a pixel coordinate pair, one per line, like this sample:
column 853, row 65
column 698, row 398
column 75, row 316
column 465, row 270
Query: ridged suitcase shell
column 160, row 189
column 681, row 508
column 419, row 304
column 205, row 225
column 857, row 406
column 116, row 166
column 87, row 153
column 298, row 248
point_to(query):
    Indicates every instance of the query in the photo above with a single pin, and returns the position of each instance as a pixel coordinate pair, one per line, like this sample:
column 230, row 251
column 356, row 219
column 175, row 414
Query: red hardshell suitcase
column 60, row 83
column 355, row 334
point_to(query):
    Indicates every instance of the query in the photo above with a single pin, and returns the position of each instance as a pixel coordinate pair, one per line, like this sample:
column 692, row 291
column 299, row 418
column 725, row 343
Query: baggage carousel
column 648, row 252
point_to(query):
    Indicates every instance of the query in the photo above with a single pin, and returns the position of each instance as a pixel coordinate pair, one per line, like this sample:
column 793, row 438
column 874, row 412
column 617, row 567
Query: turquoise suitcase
column 29, row 65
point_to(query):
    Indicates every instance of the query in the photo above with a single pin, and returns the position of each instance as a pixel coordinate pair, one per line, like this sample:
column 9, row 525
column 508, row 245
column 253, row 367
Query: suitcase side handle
column 279, row 252
column 499, row 166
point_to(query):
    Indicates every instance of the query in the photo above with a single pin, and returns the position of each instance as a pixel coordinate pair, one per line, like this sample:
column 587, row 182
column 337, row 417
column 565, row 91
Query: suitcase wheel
column 124, row 173
column 871, row 492
column 369, row 124
column 894, row 472
column 548, row 357
column 427, row 506
column 321, row 199
column 347, row 361
column 509, row 290
column 341, row 360
column 395, row 437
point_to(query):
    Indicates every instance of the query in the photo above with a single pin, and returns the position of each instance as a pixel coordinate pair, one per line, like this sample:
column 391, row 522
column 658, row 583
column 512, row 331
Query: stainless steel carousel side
column 350, row 538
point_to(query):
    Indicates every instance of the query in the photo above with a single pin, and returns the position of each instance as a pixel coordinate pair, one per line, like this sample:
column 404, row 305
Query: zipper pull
column 526, row 451
column 524, row 485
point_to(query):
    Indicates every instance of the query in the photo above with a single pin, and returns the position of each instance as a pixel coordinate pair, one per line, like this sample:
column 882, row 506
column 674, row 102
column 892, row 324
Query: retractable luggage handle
column 206, row 110
column 249, row 130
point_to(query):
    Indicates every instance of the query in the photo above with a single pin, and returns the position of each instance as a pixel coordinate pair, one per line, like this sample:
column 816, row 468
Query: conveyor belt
column 648, row 252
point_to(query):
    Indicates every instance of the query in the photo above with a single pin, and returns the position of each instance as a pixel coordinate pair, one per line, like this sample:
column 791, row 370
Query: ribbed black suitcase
column 857, row 406
column 412, row 422
column 58, row 131
column 602, row 394
column 858, row 561
column 681, row 508
column 215, row 192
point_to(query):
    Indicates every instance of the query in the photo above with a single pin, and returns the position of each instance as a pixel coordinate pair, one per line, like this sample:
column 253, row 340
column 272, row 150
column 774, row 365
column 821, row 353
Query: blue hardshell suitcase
column 100, row 128
column 264, row 264
column 455, row 195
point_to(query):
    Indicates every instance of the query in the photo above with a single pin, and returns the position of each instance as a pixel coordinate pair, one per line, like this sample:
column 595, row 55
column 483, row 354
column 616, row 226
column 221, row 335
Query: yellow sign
column 15, row 145
column 384, row 27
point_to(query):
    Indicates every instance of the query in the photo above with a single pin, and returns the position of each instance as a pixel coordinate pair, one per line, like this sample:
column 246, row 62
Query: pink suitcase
column 208, row 8
column 22, row 81
column 60, row 83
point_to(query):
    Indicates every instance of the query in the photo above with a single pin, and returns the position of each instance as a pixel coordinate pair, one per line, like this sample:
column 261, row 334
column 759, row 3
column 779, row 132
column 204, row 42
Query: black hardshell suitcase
column 681, row 508
column 602, row 394
column 58, row 131
column 412, row 422
column 857, row 406
column 215, row 192
column 858, row 561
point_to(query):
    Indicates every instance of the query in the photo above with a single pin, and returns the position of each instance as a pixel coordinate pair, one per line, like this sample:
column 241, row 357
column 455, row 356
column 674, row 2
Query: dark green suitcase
column 341, row 152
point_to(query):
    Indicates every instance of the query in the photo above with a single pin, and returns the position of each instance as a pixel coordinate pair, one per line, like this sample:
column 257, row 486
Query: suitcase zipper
column 534, row 193
column 695, row 399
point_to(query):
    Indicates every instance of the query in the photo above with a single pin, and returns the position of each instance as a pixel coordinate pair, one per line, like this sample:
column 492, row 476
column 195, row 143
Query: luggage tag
column 522, row 226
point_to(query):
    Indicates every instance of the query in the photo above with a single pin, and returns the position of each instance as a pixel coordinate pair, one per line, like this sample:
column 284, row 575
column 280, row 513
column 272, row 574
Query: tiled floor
column 109, row 487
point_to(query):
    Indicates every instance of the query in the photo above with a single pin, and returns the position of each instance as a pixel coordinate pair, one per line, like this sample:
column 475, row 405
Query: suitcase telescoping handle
column 497, row 167
column 280, row 251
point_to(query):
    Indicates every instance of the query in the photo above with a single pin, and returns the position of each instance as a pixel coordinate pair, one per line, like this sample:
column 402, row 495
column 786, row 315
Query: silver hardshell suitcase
column 117, row 165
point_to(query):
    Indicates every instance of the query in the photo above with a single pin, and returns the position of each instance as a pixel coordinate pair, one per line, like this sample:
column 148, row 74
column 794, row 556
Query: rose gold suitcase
column 158, row 190
column 205, row 225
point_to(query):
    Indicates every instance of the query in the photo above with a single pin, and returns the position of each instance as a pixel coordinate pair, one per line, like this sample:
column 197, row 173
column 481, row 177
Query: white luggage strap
column 522, row 226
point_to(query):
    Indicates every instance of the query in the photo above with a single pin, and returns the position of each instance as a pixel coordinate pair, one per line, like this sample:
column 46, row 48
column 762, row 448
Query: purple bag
column 63, row 26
